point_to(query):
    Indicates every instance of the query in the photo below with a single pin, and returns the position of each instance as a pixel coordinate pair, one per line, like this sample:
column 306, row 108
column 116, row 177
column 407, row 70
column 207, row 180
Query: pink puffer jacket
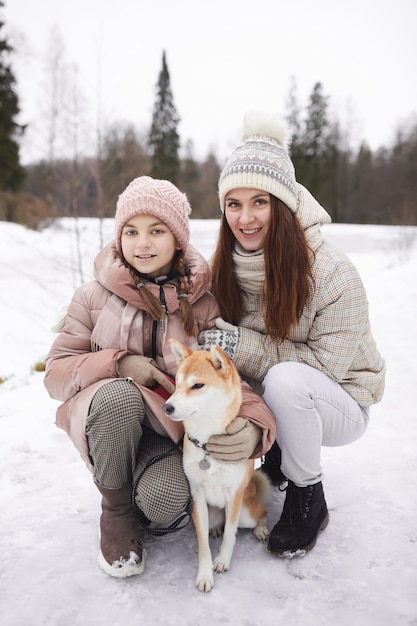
column 105, row 321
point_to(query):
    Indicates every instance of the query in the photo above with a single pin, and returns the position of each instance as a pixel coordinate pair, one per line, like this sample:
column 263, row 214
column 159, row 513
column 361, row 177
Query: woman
column 297, row 323
column 112, row 366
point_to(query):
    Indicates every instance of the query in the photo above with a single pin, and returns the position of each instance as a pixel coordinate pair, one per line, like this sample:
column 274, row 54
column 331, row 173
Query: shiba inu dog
column 208, row 397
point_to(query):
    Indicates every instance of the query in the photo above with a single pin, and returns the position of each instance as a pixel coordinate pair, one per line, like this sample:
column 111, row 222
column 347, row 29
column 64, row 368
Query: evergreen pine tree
column 315, row 142
column 164, row 140
column 11, row 172
column 294, row 121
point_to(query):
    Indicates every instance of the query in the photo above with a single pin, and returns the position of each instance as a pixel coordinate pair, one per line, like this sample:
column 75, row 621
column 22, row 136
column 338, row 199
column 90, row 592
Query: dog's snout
column 168, row 408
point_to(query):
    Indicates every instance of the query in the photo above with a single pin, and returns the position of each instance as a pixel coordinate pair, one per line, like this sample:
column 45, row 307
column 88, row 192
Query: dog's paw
column 220, row 565
column 216, row 532
column 205, row 582
column 261, row 531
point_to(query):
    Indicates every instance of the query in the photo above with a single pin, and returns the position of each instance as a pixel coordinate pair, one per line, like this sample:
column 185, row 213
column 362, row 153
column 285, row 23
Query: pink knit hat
column 146, row 195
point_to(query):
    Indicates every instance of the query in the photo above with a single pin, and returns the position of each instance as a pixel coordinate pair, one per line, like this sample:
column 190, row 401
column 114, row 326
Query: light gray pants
column 311, row 411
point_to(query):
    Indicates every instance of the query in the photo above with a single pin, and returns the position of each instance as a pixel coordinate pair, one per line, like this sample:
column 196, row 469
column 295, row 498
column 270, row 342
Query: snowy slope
column 363, row 570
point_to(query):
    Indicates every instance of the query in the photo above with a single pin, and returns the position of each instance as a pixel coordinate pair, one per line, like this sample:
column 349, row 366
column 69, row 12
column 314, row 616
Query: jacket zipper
column 161, row 322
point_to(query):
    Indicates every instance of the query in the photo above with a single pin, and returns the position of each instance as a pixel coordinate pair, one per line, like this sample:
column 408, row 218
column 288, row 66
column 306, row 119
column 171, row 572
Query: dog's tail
column 263, row 486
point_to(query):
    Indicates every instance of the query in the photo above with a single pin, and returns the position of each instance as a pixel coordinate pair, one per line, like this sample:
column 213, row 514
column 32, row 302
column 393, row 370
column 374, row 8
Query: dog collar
column 204, row 463
column 197, row 443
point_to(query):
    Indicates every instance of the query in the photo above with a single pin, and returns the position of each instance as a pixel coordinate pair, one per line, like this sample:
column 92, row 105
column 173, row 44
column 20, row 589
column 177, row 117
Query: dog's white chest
column 217, row 482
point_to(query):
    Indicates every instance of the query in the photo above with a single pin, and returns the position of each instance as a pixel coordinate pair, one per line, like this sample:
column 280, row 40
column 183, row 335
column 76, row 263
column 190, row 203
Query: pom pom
column 266, row 125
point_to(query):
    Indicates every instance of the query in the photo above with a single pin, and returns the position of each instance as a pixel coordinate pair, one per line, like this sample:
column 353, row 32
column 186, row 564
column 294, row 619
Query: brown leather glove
column 241, row 440
column 144, row 371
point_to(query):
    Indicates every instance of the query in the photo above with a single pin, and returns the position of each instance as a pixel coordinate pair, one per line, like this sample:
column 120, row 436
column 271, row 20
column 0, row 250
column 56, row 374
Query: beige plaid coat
column 333, row 334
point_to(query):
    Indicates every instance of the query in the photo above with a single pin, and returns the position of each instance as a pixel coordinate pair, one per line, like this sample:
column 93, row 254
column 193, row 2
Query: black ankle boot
column 271, row 465
column 303, row 516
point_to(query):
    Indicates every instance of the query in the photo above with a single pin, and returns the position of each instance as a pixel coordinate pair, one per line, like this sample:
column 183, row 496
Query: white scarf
column 249, row 269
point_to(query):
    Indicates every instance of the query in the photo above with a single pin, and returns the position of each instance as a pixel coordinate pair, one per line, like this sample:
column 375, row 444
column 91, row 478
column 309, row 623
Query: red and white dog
column 207, row 398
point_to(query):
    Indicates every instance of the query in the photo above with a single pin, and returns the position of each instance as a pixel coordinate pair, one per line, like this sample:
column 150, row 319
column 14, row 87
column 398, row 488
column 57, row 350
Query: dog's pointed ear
column 219, row 358
column 179, row 350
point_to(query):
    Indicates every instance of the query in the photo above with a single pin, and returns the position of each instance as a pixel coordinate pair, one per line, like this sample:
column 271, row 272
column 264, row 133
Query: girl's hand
column 239, row 444
column 143, row 371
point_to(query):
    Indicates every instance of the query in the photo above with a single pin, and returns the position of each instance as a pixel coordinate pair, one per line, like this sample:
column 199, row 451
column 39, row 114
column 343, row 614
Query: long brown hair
column 288, row 274
column 154, row 307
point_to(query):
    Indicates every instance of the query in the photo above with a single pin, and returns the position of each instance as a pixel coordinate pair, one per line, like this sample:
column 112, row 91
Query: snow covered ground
column 363, row 570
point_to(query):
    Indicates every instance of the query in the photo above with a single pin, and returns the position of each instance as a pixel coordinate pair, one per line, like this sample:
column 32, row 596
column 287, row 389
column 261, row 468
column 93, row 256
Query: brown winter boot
column 121, row 552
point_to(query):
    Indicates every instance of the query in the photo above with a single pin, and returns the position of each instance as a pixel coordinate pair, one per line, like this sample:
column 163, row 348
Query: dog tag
column 204, row 464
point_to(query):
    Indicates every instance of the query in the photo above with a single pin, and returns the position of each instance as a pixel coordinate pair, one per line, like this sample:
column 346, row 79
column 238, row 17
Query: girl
column 112, row 367
column 299, row 331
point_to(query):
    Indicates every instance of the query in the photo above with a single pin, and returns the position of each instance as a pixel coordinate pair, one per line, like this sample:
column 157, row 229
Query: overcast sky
column 224, row 57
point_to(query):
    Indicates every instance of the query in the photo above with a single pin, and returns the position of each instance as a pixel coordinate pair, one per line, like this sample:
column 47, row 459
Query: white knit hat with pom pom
column 261, row 161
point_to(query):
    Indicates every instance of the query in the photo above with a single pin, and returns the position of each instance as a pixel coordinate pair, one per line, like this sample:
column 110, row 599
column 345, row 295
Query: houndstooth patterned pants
column 123, row 451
